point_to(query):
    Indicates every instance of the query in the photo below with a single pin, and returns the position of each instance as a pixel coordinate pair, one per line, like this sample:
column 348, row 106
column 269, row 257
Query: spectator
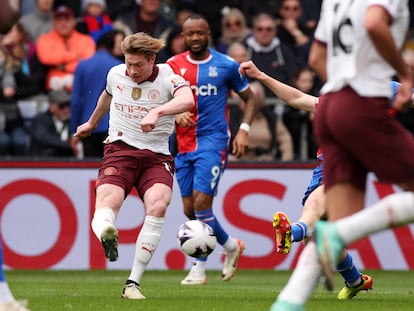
column 174, row 45
column 214, row 11
column 293, row 32
column 50, row 130
column 254, row 8
column 117, row 51
column 13, row 138
column 39, row 21
column 9, row 14
column 74, row 5
column 62, row 48
column 233, row 29
column 90, row 81
column 28, row 76
column 269, row 138
column 95, row 20
column 183, row 10
column 119, row 8
column 146, row 18
column 311, row 11
column 270, row 54
column 29, row 73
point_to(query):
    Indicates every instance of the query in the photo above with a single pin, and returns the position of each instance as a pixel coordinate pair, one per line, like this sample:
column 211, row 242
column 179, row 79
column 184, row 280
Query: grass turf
column 249, row 290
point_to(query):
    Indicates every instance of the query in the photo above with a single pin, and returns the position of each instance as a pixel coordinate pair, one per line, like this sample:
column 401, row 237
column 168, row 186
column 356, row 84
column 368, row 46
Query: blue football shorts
column 200, row 170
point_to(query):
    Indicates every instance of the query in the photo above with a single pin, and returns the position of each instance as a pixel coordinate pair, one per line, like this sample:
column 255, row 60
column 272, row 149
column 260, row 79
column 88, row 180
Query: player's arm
column 377, row 21
column 240, row 141
column 290, row 95
column 9, row 14
column 183, row 100
column 101, row 109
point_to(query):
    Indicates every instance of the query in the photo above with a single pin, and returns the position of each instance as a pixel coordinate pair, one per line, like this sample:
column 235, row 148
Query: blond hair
column 141, row 43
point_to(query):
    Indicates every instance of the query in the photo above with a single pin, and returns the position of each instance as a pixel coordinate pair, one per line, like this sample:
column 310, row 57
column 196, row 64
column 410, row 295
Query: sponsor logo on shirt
column 204, row 90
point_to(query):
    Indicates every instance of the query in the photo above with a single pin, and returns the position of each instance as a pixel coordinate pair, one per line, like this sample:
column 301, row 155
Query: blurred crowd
column 54, row 61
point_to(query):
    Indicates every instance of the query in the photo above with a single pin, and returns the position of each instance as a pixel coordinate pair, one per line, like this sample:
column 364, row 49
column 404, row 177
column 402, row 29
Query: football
column 196, row 238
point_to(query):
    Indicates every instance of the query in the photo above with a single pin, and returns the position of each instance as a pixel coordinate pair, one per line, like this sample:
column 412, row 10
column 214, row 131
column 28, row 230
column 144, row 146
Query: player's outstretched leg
column 349, row 292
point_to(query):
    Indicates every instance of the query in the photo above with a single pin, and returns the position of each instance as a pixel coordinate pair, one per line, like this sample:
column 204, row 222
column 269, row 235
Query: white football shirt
column 351, row 57
column 132, row 101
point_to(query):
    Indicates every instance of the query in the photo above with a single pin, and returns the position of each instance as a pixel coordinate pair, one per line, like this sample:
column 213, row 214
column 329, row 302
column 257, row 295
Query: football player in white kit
column 142, row 99
column 356, row 51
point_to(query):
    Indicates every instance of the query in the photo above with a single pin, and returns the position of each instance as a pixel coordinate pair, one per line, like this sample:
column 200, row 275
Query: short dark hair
column 197, row 16
column 107, row 40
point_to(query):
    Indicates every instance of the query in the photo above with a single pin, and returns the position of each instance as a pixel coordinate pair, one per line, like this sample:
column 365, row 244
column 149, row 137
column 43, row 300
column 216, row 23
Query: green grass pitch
column 252, row 290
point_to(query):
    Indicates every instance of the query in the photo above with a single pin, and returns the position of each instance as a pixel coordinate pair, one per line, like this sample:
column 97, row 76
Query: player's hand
column 240, row 143
column 84, row 130
column 403, row 100
column 149, row 121
column 74, row 145
column 249, row 69
column 184, row 119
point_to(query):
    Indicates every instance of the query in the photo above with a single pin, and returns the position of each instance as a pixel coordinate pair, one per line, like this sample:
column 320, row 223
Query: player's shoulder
column 163, row 67
column 177, row 58
column 118, row 70
column 218, row 56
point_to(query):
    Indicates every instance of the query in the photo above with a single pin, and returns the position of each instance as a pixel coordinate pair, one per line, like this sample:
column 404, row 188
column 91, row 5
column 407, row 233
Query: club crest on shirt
column 154, row 95
column 136, row 93
column 212, row 71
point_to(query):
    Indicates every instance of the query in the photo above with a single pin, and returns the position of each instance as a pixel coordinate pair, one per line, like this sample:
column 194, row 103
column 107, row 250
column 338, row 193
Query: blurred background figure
column 50, row 130
column 39, row 21
column 253, row 8
column 213, row 11
column 28, row 76
column 90, row 81
column 183, row 10
column 269, row 139
column 292, row 31
column 270, row 55
column 173, row 45
column 9, row 14
column 147, row 18
column 118, row 8
column 62, row 48
column 233, row 29
column 95, row 21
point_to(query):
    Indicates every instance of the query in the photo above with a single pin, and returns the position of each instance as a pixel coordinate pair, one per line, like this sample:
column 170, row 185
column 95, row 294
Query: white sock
column 200, row 265
column 394, row 210
column 147, row 242
column 102, row 218
column 304, row 278
column 5, row 293
column 230, row 244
